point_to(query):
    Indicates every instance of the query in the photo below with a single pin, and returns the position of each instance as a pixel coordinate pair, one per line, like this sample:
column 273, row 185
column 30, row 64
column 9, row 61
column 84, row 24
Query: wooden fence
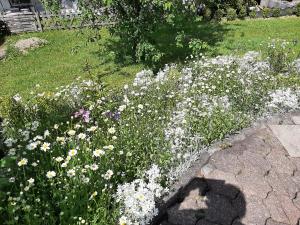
column 32, row 21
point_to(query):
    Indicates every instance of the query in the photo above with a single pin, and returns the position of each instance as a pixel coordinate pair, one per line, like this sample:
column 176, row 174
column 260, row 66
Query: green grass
column 68, row 52
column 61, row 61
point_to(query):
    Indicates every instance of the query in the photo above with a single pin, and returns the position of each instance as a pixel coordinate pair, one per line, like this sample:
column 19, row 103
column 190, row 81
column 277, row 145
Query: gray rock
column 31, row 43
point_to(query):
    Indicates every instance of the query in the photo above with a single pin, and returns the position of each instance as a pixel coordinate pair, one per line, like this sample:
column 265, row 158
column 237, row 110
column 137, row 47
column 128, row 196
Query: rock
column 31, row 43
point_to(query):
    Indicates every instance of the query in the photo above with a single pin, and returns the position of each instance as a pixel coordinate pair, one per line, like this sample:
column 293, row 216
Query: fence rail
column 32, row 21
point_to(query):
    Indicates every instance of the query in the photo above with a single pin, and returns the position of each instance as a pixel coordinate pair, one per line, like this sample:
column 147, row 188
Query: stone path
column 256, row 181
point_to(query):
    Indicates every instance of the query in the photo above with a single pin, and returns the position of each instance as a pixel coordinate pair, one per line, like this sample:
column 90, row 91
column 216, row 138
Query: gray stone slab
column 289, row 136
column 296, row 119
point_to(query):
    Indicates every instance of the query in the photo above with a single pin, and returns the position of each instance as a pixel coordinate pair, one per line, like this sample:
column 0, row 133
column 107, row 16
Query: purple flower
column 83, row 114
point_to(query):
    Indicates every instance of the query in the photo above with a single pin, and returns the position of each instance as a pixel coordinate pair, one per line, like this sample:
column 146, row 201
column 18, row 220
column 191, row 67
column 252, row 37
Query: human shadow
column 204, row 202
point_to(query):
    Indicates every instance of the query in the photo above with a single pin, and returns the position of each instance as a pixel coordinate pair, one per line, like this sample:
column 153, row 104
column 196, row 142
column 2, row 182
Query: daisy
column 23, row 162
column 45, row 146
column 50, row 174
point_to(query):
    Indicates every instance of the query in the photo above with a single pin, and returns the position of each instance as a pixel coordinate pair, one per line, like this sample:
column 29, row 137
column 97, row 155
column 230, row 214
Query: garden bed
column 87, row 155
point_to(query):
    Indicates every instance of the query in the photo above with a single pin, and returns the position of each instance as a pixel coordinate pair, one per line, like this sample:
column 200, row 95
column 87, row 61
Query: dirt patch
column 31, row 43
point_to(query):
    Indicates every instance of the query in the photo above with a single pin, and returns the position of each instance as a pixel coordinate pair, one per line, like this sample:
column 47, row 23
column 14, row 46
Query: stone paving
column 256, row 181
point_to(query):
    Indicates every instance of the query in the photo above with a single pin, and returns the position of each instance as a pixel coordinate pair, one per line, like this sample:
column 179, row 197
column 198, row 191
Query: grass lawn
column 68, row 54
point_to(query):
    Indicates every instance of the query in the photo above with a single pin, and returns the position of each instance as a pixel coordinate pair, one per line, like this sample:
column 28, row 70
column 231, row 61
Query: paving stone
column 176, row 216
column 282, row 184
column 296, row 162
column 296, row 200
column 256, row 212
column 255, row 162
column 223, row 183
column 273, row 205
column 280, row 162
column 273, row 222
column 2, row 53
column 205, row 222
column 257, row 143
column 296, row 119
column 291, row 211
column 219, row 209
column 288, row 135
column 296, row 178
column 226, row 162
column 253, row 184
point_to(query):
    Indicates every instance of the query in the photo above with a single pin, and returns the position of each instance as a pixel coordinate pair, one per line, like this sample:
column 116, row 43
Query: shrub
column 198, row 46
column 219, row 13
column 242, row 13
column 252, row 14
column 266, row 12
column 298, row 9
column 276, row 12
column 231, row 14
column 207, row 14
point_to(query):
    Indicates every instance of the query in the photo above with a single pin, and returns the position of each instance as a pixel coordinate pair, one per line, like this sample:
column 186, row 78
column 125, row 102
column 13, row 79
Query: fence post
column 38, row 20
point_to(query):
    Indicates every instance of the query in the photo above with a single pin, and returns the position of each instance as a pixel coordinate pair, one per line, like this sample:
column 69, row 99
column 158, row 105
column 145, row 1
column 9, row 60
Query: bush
column 231, row 14
column 242, row 13
column 266, row 12
column 252, row 14
column 219, row 13
column 298, row 10
column 207, row 14
column 276, row 12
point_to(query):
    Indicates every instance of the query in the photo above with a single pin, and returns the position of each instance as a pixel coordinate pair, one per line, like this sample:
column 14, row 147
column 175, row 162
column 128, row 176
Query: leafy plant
column 252, row 14
column 198, row 46
column 298, row 9
column 276, row 12
column 219, row 15
column 242, row 13
column 231, row 14
column 266, row 12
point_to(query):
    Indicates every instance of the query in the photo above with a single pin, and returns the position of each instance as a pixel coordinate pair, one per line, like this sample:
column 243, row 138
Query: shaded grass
column 69, row 54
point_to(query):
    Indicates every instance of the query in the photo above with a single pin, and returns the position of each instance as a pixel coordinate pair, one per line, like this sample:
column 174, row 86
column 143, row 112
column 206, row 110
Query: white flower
column 122, row 108
column 109, row 147
column 93, row 195
column 140, row 106
column 72, row 152
column 108, row 174
column 45, row 146
column 50, row 174
column 31, row 181
column 81, row 136
column 94, row 167
column 56, row 126
column 92, row 129
column 124, row 221
column 98, row 153
column 32, row 146
column 23, row 162
column 59, row 159
column 17, row 98
column 46, row 133
column 112, row 130
column 26, row 188
column 71, row 132
column 71, row 173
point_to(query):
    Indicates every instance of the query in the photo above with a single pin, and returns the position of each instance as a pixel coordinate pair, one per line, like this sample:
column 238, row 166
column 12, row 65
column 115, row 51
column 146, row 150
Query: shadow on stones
column 204, row 202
